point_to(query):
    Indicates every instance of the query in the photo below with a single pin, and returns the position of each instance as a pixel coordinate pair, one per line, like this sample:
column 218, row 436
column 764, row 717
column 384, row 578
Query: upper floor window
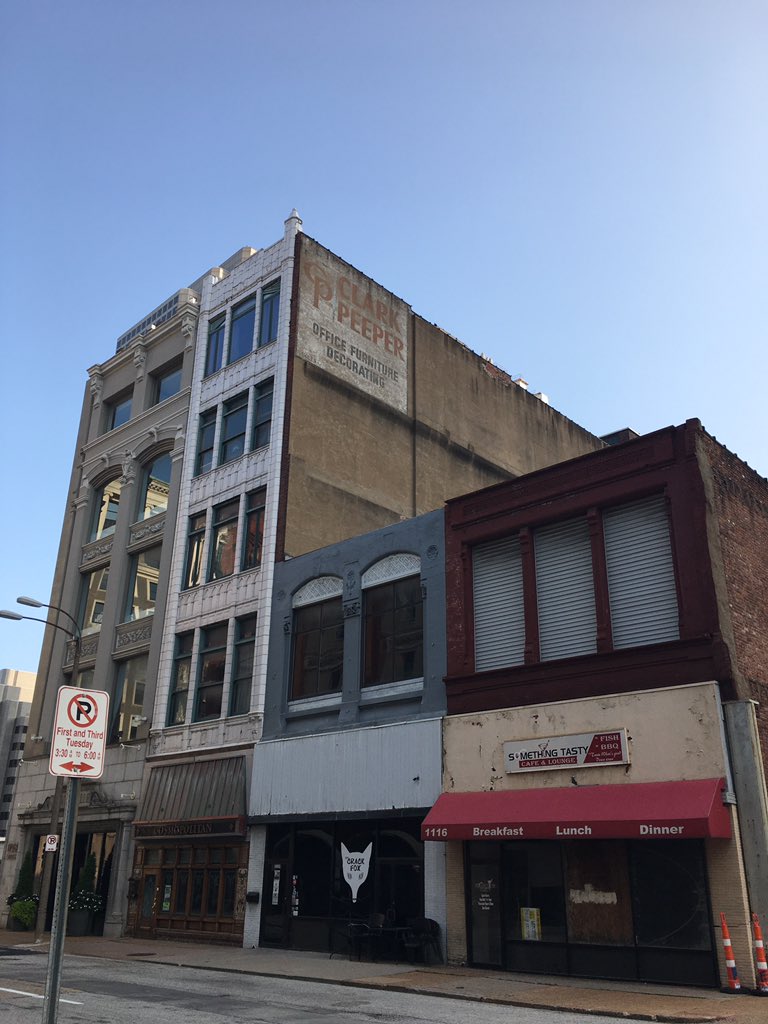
column 242, row 665
column 262, row 413
column 92, row 599
column 215, row 352
column 254, row 528
column 193, row 570
column 233, row 424
column 318, row 639
column 145, row 573
column 206, row 441
column 180, row 679
column 131, row 683
column 241, row 329
column 393, row 631
column 168, row 383
column 118, row 411
column 156, row 487
column 106, row 507
column 270, row 310
column 210, row 684
column 224, row 539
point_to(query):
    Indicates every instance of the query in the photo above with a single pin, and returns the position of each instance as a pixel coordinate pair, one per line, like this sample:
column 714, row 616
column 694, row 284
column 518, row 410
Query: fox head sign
column 355, row 867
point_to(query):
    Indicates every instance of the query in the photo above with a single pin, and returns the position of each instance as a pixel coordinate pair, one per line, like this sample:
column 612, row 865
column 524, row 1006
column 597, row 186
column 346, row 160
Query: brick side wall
column 740, row 499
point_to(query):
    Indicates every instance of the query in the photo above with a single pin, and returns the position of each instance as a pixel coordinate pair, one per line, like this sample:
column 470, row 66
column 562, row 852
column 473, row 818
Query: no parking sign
column 79, row 733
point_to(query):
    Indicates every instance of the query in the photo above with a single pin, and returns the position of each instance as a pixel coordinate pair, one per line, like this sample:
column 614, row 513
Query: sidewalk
column 576, row 995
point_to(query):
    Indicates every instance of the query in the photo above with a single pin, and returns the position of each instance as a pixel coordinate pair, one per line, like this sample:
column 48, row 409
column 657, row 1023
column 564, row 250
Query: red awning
column 645, row 810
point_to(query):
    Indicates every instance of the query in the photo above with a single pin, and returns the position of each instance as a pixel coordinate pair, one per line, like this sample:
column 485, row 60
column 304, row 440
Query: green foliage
column 25, row 886
column 86, row 880
column 24, row 911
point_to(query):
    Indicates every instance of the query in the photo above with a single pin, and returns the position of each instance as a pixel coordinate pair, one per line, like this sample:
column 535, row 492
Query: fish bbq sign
column 583, row 750
column 79, row 733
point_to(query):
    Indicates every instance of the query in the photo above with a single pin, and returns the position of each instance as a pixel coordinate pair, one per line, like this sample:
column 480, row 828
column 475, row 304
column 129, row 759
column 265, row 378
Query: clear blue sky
column 577, row 188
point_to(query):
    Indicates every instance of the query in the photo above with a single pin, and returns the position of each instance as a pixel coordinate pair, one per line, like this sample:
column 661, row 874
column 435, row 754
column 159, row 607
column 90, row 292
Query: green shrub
column 24, row 911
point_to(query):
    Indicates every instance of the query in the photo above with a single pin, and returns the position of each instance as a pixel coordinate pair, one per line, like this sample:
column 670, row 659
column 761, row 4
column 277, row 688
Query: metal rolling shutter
column 641, row 576
column 565, row 590
column 498, row 596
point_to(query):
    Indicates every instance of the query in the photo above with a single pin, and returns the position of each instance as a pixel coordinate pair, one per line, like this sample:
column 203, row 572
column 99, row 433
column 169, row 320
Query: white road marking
column 34, row 995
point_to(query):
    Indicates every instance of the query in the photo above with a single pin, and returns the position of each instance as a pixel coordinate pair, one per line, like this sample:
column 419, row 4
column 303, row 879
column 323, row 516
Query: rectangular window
column 131, row 682
column 214, row 355
column 498, row 598
column 92, row 600
column 167, row 383
column 233, row 428
column 270, row 309
column 142, row 590
column 242, row 666
column 241, row 331
column 182, row 670
column 393, row 632
column 106, row 507
column 262, row 414
column 224, row 540
column 254, row 528
column 119, row 411
column 193, row 571
column 318, row 649
column 210, row 683
column 565, row 590
column 205, row 442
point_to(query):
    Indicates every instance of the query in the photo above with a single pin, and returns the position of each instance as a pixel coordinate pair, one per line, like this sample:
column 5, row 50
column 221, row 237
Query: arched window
column 318, row 638
column 105, row 510
column 157, row 484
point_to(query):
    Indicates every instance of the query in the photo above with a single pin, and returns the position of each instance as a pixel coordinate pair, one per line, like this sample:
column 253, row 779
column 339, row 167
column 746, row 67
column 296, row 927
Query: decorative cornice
column 98, row 551
column 150, row 528
column 139, row 635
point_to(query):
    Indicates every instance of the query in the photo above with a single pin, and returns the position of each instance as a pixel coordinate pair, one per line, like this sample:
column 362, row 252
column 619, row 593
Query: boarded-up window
column 498, row 600
column 565, row 590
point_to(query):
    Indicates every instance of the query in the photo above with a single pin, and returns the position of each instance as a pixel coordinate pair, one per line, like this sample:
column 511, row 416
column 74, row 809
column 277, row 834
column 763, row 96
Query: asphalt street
column 117, row 992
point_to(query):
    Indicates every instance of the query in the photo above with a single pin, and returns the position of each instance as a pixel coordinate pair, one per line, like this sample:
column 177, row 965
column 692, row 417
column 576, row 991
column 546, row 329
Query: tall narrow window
column 193, row 571
column 105, row 510
column 318, row 651
column 132, row 679
column 205, row 442
column 262, row 413
column 393, row 632
column 233, row 428
column 242, row 666
column 224, row 539
column 215, row 353
column 210, row 683
column 254, row 528
column 270, row 309
column 93, row 597
column 498, row 598
column 241, row 331
column 145, row 572
column 157, row 486
column 565, row 590
column 182, row 671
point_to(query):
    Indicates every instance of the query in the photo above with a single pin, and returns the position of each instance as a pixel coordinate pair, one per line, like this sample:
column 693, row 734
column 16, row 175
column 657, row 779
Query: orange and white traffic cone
column 760, row 964
column 734, row 985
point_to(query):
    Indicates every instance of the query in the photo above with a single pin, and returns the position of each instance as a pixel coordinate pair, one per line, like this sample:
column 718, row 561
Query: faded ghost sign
column 351, row 327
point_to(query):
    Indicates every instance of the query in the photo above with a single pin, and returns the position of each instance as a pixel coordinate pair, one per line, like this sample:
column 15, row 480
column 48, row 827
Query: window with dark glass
column 168, row 383
column 119, row 411
column 193, row 571
column 270, row 309
column 224, row 540
column 233, row 428
column 242, row 666
column 318, row 649
column 180, row 679
column 254, row 528
column 156, row 487
column 131, row 682
column 210, row 682
column 215, row 353
column 145, row 572
column 241, row 331
column 105, row 510
column 393, row 632
column 262, row 414
column 93, row 596
column 205, row 442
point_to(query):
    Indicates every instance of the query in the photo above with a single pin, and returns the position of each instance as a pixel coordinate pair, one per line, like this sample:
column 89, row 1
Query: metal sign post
column 77, row 748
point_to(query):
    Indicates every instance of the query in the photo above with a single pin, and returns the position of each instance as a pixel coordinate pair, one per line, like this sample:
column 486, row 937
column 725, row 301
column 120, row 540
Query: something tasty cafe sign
column 351, row 327
column 582, row 750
